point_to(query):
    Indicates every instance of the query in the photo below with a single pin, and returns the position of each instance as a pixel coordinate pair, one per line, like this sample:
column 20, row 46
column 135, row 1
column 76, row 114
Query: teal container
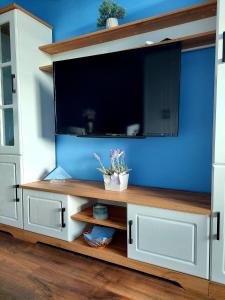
column 100, row 212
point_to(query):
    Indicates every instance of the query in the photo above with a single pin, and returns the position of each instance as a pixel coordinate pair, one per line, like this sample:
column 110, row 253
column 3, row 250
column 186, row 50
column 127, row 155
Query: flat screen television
column 131, row 93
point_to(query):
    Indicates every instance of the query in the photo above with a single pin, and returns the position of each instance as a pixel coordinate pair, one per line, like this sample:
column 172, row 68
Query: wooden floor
column 41, row 272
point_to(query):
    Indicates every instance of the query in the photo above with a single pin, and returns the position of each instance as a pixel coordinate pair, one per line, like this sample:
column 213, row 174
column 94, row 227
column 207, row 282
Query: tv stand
column 179, row 207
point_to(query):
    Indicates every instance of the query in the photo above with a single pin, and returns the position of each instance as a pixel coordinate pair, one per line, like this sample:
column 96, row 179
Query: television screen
column 132, row 93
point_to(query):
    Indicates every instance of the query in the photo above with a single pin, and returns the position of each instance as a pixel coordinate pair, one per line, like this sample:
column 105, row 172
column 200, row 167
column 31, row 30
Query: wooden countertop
column 199, row 203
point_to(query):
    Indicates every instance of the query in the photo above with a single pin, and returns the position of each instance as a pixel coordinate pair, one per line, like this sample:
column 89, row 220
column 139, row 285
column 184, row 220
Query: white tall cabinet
column 218, row 186
column 27, row 145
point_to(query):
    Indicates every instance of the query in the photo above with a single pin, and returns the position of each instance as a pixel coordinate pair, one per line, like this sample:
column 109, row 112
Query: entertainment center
column 173, row 234
column 181, row 245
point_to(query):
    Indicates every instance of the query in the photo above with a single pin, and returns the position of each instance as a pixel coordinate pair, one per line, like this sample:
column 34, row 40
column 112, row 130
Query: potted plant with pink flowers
column 117, row 175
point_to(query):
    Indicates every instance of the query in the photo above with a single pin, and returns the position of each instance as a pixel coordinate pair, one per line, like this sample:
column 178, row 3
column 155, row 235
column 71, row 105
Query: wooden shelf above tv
column 187, row 42
column 117, row 217
column 182, row 16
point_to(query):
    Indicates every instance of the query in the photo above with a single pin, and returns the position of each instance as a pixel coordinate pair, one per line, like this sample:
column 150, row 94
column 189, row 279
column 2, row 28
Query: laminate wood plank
column 191, row 202
column 117, row 217
column 16, row 6
column 187, row 42
column 216, row 291
column 189, row 14
column 60, row 274
column 117, row 255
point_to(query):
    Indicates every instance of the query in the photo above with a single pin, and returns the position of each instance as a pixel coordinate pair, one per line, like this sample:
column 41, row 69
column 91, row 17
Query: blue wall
column 183, row 162
column 48, row 10
column 80, row 16
column 76, row 17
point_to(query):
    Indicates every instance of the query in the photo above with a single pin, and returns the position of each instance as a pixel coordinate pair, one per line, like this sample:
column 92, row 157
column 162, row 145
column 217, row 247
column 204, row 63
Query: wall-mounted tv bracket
column 223, row 58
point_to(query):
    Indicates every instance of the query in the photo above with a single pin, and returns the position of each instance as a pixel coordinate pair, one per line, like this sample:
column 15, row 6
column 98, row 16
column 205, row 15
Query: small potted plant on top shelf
column 117, row 175
column 110, row 12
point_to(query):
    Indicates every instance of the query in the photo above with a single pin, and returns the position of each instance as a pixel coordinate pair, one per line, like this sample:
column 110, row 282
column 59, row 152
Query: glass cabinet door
column 6, row 89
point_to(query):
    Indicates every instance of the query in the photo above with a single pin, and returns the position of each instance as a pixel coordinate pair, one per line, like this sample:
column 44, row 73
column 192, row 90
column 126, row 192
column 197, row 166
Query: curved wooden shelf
column 187, row 42
column 189, row 14
column 192, row 202
column 117, row 217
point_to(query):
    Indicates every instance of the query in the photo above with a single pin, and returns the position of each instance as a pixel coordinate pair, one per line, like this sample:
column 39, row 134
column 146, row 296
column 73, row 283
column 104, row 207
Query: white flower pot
column 111, row 22
column 116, row 182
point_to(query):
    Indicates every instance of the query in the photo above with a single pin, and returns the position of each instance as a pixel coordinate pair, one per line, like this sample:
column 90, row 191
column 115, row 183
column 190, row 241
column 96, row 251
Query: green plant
column 109, row 9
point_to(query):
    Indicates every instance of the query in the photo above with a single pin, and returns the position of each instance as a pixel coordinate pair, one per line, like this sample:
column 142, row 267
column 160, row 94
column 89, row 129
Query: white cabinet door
column 170, row 239
column 218, row 186
column 219, row 109
column 45, row 213
column 50, row 214
column 218, row 225
column 10, row 196
column 9, row 124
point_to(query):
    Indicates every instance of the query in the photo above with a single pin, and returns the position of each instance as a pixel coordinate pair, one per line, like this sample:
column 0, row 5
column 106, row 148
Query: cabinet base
column 198, row 287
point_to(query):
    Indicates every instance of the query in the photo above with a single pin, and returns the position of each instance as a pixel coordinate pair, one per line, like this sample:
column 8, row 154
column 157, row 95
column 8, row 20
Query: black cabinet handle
column 223, row 58
column 130, row 232
column 62, row 217
column 218, row 226
column 13, row 76
column 17, row 199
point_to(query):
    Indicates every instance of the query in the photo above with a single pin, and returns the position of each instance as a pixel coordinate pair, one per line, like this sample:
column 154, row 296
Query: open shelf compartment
column 117, row 217
column 117, row 248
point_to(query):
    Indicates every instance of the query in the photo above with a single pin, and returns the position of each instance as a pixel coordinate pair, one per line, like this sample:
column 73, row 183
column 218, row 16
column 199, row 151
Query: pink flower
column 96, row 156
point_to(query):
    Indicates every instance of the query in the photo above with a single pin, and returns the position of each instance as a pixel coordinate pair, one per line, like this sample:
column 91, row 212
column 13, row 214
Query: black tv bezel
column 143, row 136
